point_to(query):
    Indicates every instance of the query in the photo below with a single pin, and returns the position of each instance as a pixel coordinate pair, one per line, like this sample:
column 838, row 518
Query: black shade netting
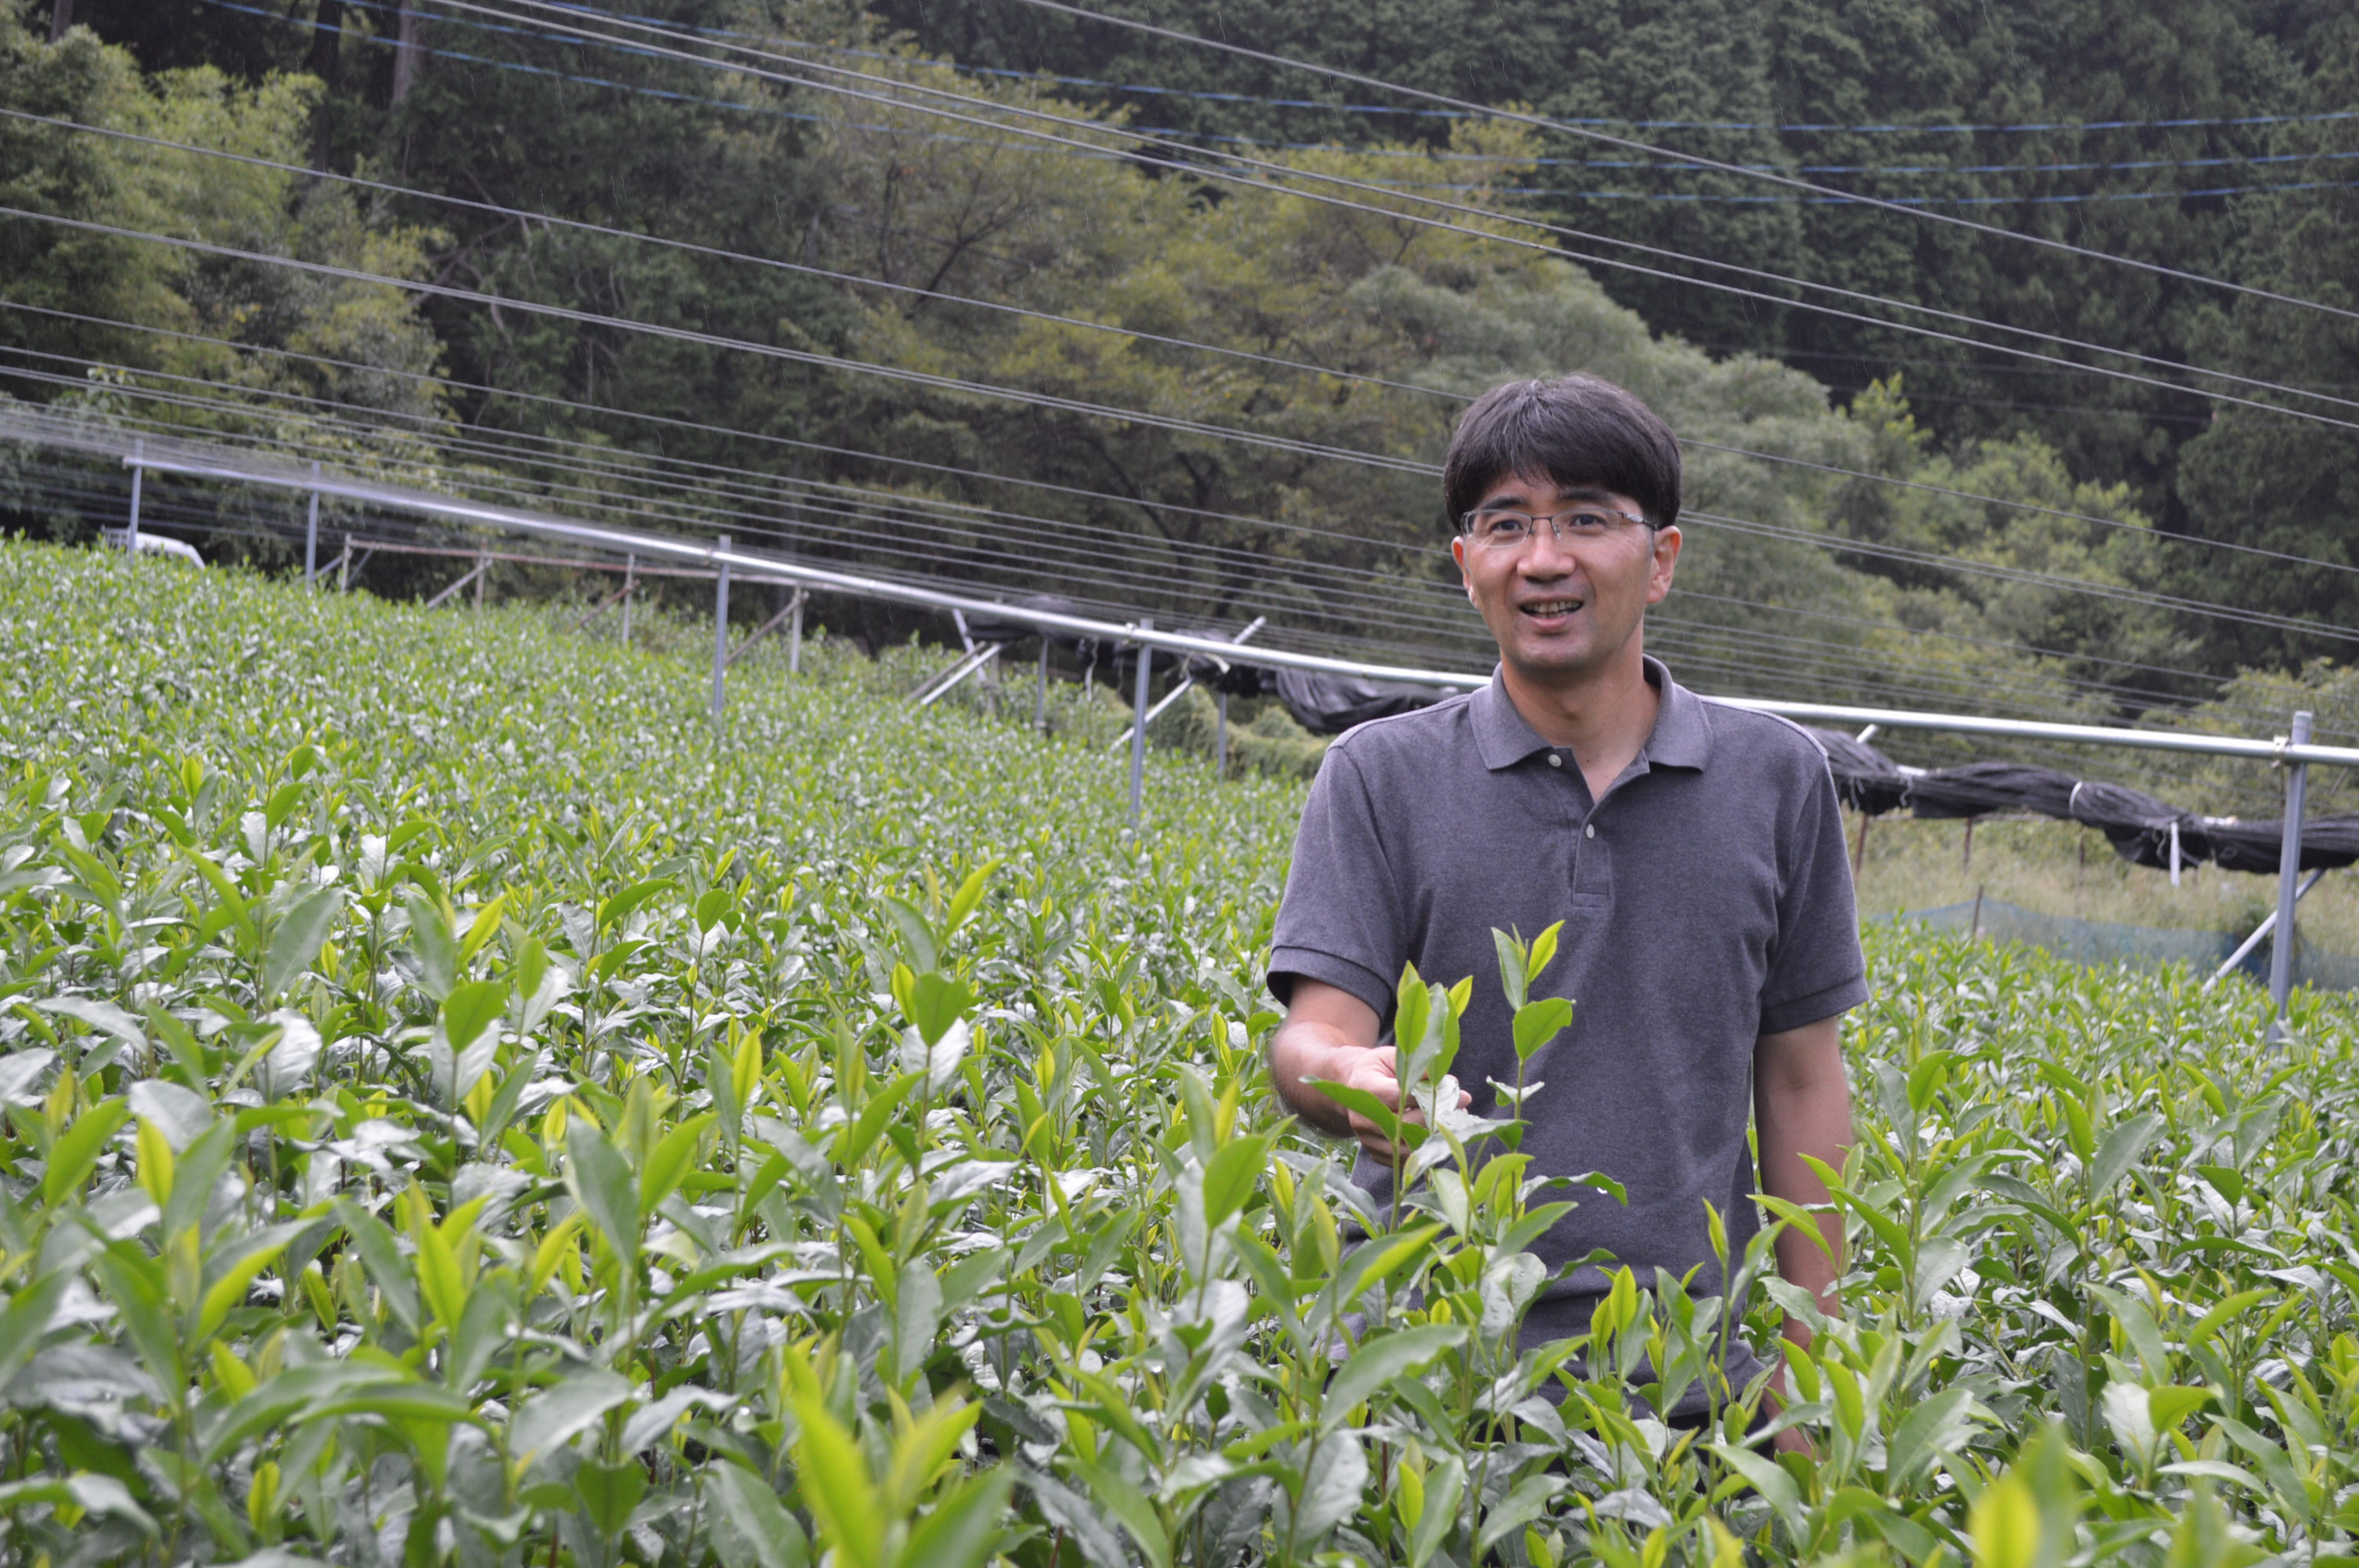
column 1329, row 705
column 2258, row 846
column 2137, row 824
column 1979, row 789
column 1865, row 779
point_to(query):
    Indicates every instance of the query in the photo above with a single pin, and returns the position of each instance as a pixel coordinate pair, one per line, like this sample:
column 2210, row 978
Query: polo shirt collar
column 1681, row 737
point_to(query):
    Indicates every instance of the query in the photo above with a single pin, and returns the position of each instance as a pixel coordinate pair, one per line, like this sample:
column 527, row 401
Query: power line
column 969, row 474
column 1394, row 214
column 526, row 216
column 1161, row 581
column 1594, row 133
column 580, row 37
column 1141, row 503
column 1460, row 114
column 1158, row 132
column 1762, row 660
column 770, row 351
column 162, row 510
column 1341, row 454
column 966, row 69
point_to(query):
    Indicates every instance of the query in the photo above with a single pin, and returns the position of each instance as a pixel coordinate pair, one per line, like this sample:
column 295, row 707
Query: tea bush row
column 462, row 1111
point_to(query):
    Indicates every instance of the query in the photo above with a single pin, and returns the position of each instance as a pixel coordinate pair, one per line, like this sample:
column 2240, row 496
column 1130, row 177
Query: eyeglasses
column 1514, row 530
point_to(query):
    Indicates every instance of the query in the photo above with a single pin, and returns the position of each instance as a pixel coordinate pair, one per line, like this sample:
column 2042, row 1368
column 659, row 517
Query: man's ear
column 1458, row 554
column 1665, row 564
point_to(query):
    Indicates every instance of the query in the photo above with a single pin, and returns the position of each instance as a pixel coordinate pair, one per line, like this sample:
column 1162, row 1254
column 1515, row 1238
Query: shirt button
column 1555, row 761
column 1589, row 830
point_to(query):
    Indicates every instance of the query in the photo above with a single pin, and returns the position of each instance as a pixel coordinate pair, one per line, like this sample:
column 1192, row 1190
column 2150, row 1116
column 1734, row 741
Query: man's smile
column 1549, row 609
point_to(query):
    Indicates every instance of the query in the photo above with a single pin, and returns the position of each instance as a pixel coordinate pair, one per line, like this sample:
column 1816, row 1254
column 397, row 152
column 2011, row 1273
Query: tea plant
column 460, row 1111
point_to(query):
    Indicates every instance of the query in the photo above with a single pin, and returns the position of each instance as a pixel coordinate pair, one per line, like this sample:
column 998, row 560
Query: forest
column 992, row 289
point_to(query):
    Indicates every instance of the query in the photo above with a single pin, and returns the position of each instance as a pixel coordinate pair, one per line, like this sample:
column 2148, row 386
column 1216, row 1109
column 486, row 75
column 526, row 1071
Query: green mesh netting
column 2103, row 942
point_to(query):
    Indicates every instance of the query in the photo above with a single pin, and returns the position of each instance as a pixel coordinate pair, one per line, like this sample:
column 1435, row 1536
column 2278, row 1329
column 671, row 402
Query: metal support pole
column 2289, row 873
column 1220, row 737
column 630, row 591
column 1138, row 728
column 721, row 632
column 795, row 634
column 139, row 472
column 1040, row 709
column 482, row 576
column 2174, row 851
column 311, row 536
column 344, row 567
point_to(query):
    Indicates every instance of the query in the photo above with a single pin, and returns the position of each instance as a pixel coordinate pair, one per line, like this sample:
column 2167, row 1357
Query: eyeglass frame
column 1553, row 519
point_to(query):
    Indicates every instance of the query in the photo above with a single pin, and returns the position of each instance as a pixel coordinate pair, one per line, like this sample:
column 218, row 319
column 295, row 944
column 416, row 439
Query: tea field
column 461, row 1112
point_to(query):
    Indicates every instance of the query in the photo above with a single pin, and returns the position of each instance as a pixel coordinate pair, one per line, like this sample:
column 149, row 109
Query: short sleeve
column 1340, row 921
column 1815, row 969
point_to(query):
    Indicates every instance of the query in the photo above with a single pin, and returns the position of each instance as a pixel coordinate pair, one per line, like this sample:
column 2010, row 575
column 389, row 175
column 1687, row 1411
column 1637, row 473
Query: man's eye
column 1509, row 526
column 1589, row 522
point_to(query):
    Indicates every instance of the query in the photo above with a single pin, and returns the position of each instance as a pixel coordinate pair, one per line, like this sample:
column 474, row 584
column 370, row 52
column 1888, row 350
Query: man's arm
column 1801, row 1105
column 1329, row 1033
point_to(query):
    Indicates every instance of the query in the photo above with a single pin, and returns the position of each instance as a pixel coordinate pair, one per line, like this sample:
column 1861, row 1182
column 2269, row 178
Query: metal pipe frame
column 2289, row 873
column 1138, row 728
column 721, row 556
column 2260, row 933
column 311, row 536
column 225, row 468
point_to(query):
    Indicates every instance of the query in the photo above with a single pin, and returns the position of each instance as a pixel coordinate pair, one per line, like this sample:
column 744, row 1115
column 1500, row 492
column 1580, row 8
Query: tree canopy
column 1087, row 371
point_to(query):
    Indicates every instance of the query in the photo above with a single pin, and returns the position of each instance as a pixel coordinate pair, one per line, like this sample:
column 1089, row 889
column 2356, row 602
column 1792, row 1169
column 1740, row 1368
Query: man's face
column 1565, row 608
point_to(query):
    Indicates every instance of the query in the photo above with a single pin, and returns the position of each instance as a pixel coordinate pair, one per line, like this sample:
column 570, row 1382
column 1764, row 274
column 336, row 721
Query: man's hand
column 1330, row 1034
column 1801, row 1105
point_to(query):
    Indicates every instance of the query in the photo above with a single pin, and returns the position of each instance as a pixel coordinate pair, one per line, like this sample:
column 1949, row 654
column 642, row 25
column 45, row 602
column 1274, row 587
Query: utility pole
column 61, row 18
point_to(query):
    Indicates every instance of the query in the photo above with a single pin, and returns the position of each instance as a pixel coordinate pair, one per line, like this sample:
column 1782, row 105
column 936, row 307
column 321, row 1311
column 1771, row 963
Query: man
column 1693, row 851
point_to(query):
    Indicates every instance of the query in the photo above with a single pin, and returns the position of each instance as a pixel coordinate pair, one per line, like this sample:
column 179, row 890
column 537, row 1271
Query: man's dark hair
column 1579, row 430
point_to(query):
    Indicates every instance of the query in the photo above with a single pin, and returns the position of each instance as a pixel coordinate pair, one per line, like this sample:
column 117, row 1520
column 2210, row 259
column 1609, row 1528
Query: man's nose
column 1546, row 555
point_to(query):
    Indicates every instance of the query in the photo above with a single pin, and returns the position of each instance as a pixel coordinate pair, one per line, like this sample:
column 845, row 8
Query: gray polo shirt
column 1706, row 901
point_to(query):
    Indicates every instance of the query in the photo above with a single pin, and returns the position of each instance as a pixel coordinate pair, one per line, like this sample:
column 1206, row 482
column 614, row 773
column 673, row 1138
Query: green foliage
column 2184, row 133
column 872, row 1157
column 638, row 143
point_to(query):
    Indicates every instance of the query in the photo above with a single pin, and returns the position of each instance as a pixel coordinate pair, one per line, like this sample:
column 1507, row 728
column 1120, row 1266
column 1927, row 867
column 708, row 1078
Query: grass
column 462, row 1111
column 2057, row 868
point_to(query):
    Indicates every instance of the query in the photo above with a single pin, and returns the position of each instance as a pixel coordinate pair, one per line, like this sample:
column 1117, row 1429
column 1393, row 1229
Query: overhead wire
column 383, row 7
column 1280, row 172
column 1230, row 517
column 1166, row 131
column 1681, row 165
column 1942, row 683
column 1595, row 134
column 1806, row 535
column 526, row 216
column 2083, row 656
column 1810, row 665
column 934, row 382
